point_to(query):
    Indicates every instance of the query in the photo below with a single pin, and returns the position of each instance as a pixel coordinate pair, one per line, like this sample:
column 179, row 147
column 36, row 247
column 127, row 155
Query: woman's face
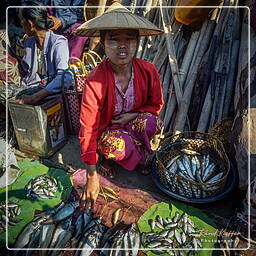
column 26, row 25
column 121, row 45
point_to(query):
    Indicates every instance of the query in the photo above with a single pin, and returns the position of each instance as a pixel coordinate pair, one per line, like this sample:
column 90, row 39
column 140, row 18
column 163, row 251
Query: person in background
column 65, row 21
column 45, row 55
column 121, row 101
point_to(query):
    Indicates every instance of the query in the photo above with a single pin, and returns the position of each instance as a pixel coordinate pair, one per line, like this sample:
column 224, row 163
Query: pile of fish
column 199, row 169
column 176, row 232
column 120, row 240
column 13, row 211
column 42, row 186
column 61, row 226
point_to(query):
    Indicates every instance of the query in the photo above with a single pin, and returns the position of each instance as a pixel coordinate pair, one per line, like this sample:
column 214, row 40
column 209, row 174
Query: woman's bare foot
column 106, row 169
column 144, row 167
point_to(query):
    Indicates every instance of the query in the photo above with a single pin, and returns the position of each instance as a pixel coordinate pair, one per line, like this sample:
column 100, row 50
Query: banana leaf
column 203, row 223
column 30, row 169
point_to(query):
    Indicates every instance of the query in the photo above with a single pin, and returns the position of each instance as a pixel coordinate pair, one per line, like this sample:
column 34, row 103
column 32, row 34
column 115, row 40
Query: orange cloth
column 98, row 103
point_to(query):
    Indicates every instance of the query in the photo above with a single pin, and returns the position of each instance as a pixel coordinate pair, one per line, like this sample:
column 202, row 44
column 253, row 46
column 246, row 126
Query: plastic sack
column 189, row 15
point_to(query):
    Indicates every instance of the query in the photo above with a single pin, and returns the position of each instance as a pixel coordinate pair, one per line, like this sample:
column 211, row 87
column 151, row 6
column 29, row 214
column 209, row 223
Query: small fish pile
column 42, row 186
column 176, row 232
column 13, row 211
column 195, row 168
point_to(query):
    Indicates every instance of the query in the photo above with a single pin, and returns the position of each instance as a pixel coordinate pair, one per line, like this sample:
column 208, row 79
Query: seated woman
column 121, row 100
column 45, row 55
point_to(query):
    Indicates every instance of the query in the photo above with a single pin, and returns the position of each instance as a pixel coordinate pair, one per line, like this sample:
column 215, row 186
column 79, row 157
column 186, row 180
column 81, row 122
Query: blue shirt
column 55, row 55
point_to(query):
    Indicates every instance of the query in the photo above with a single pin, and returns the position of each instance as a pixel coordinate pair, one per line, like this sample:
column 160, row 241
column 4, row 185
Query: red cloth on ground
column 98, row 103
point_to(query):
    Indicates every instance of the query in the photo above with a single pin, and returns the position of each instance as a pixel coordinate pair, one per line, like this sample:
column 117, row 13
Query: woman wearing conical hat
column 122, row 98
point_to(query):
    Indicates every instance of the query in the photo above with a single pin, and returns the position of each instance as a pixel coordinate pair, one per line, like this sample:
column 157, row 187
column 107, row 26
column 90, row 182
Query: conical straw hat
column 117, row 17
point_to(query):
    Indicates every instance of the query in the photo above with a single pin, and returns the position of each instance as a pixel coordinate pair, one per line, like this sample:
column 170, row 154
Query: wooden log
column 171, row 54
column 171, row 121
column 198, row 44
column 188, row 57
column 242, row 59
column 191, row 78
column 231, row 79
column 206, row 110
column 227, row 47
column 166, row 85
column 161, row 53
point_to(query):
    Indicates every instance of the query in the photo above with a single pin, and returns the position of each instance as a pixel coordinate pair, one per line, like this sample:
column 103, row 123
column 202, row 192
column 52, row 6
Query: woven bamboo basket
column 203, row 144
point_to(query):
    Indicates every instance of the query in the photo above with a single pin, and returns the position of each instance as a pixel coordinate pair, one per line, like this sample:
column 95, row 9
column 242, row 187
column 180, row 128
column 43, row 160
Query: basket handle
column 63, row 79
column 79, row 61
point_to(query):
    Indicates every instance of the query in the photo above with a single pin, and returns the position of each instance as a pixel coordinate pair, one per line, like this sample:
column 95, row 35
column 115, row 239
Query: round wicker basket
column 192, row 143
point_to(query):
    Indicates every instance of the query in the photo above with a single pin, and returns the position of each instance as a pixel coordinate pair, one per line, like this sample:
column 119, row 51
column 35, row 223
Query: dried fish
column 115, row 216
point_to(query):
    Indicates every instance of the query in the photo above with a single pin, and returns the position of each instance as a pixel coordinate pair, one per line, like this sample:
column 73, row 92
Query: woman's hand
column 57, row 23
column 92, row 188
column 34, row 98
column 123, row 119
column 28, row 99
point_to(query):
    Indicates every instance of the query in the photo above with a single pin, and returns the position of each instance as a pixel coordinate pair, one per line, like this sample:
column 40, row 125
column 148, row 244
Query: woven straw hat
column 117, row 17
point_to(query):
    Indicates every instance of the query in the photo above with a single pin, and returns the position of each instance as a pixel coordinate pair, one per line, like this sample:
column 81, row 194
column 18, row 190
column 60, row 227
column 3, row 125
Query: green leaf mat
column 201, row 220
column 30, row 169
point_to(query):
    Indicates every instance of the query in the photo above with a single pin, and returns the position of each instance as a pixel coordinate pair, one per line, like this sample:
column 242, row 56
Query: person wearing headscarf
column 122, row 98
column 45, row 55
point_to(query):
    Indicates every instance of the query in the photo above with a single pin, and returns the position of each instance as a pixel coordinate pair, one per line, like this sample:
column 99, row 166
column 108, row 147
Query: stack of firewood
column 197, row 64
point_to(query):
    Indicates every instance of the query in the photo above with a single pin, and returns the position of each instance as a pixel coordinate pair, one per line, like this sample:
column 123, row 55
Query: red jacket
column 99, row 101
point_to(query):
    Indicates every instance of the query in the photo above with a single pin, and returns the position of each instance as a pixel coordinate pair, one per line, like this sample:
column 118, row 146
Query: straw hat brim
column 117, row 19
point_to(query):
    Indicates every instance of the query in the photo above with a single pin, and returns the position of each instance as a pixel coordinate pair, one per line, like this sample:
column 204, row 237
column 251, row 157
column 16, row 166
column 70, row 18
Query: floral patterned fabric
column 13, row 76
column 128, row 145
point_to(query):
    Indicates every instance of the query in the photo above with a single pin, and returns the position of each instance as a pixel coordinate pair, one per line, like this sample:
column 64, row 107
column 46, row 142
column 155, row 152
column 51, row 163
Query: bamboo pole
column 234, row 62
column 166, row 84
column 188, row 57
column 243, row 59
column 231, row 78
column 198, row 44
column 206, row 110
column 227, row 46
column 171, row 54
column 191, row 78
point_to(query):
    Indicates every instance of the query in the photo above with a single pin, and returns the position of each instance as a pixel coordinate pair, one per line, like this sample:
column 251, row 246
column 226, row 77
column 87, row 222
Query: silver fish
column 24, row 236
column 215, row 178
column 66, row 211
column 63, row 238
column 159, row 219
column 209, row 170
column 183, row 238
column 134, row 240
column 152, row 224
column 177, row 236
column 34, row 241
column 154, row 244
column 171, row 225
column 173, row 160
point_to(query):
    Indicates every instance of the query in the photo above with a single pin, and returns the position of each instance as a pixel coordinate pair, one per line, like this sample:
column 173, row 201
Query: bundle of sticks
column 197, row 64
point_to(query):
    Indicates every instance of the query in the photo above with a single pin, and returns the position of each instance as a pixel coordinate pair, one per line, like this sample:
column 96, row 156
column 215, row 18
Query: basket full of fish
column 193, row 165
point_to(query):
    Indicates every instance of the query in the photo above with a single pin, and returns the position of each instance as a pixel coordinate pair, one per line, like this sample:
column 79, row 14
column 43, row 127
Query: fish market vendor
column 122, row 98
column 45, row 55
